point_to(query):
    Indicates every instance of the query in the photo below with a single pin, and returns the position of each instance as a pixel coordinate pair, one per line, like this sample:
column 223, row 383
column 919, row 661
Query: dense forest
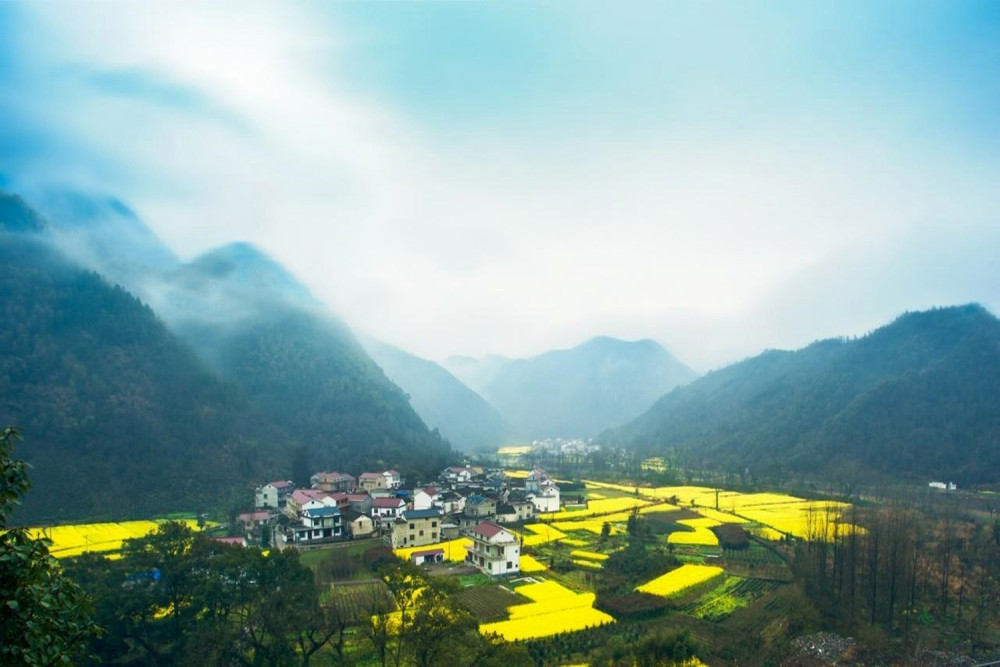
column 124, row 417
column 913, row 398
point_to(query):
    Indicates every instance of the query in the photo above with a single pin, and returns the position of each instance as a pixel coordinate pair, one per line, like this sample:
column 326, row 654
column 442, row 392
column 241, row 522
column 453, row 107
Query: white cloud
column 491, row 245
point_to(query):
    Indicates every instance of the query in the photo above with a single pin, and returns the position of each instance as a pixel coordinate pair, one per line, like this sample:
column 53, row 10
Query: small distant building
column 301, row 499
column 941, row 486
column 386, row 479
column 480, row 506
column 414, row 528
column 458, row 474
column 424, row 499
column 387, row 508
column 236, row 541
column 251, row 520
column 428, row 556
column 332, row 481
column 546, row 498
column 357, row 524
column 360, row 502
column 495, row 550
column 319, row 525
column 452, row 503
column 273, row 495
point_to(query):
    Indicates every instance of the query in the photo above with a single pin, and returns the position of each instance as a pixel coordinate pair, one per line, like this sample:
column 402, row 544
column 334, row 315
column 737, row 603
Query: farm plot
column 73, row 540
column 699, row 535
column 734, row 593
column 357, row 601
column 489, row 603
column 679, row 580
column 555, row 609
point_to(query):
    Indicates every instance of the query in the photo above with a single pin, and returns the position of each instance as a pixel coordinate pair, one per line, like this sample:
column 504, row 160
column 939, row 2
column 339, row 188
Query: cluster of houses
column 464, row 501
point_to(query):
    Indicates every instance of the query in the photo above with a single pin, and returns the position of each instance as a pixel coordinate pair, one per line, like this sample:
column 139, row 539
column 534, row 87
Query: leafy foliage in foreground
column 44, row 617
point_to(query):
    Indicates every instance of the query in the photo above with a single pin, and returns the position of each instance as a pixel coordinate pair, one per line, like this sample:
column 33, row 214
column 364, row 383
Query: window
column 412, row 526
column 434, row 524
column 510, row 565
column 421, row 533
column 434, row 535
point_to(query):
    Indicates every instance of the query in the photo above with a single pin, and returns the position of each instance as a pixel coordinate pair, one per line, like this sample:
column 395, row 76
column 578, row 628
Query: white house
column 392, row 479
column 320, row 524
column 546, row 499
column 387, row 508
column 424, row 499
column 272, row 495
column 495, row 550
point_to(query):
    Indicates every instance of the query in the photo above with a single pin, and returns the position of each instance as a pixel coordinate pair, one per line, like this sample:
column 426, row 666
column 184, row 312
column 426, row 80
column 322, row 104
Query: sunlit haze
column 508, row 177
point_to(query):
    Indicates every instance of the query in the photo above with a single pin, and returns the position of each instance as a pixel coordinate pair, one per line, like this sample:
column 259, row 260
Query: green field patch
column 733, row 594
column 489, row 602
column 358, row 601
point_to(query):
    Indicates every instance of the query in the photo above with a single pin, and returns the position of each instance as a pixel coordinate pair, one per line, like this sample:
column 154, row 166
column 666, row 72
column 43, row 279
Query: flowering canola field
column 778, row 514
column 554, row 609
column 679, row 580
column 529, row 564
column 700, row 534
column 76, row 539
column 454, row 550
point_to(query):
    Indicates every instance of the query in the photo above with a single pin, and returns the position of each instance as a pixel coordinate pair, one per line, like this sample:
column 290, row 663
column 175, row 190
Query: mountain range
column 577, row 392
column 127, row 414
column 916, row 398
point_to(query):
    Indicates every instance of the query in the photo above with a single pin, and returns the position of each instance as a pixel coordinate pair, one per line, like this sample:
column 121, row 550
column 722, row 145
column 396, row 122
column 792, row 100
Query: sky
column 511, row 177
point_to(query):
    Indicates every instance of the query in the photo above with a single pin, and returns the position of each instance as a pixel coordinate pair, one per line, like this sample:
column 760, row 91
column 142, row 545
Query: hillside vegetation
column 916, row 397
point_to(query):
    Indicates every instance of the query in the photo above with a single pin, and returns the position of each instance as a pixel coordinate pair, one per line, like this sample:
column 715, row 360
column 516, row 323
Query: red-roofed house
column 238, row 541
column 387, row 508
column 332, row 481
column 495, row 550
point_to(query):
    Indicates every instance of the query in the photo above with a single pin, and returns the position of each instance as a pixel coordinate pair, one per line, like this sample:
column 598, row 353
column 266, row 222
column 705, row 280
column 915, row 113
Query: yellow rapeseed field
column 596, row 507
column 588, row 555
column 542, row 534
column 529, row 564
column 76, row 539
column 589, row 564
column 554, row 609
column 454, row 550
column 700, row 535
column 679, row 580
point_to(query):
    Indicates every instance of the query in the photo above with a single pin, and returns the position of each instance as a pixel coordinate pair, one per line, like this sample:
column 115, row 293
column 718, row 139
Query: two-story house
column 319, row 524
column 332, row 481
column 495, row 550
column 426, row 498
column 414, row 528
column 273, row 495
column 387, row 509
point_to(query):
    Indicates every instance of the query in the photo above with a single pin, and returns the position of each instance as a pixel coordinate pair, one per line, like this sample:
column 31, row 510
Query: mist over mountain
column 119, row 416
column 580, row 391
column 916, row 397
column 442, row 400
column 239, row 330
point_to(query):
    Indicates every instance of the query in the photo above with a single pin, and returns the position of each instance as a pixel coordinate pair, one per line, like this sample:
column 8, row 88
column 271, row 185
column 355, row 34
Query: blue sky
column 475, row 177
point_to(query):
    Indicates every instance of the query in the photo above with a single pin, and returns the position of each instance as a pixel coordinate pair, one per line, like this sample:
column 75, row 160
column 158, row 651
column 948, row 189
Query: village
column 465, row 501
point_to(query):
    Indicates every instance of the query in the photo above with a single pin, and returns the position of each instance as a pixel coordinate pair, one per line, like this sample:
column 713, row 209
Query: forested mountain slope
column 442, row 401
column 917, row 397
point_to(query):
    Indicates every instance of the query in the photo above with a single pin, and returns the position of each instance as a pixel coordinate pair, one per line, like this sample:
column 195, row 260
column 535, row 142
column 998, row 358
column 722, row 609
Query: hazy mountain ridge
column 119, row 416
column 464, row 417
column 295, row 376
column 581, row 391
column 915, row 397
